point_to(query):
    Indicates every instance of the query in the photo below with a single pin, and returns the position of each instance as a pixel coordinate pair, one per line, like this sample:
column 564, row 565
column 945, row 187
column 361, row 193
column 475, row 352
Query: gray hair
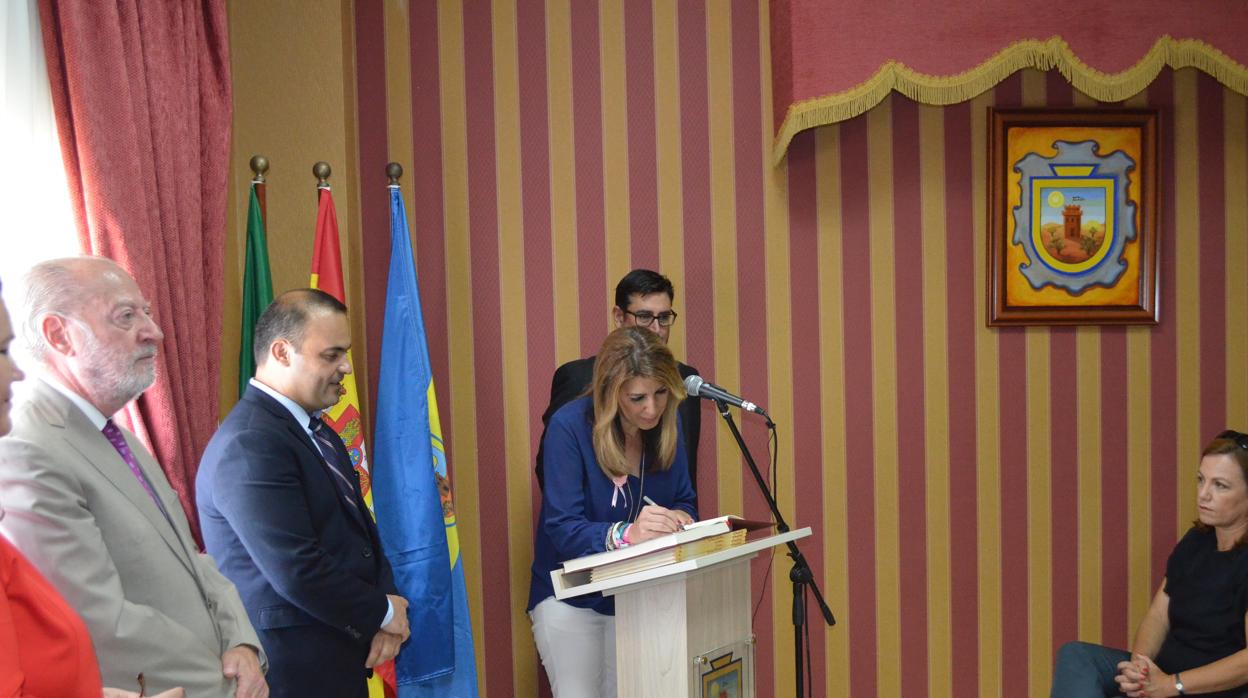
column 53, row 287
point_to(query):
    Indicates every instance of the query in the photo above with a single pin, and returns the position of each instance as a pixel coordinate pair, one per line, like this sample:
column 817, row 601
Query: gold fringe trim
column 1040, row 55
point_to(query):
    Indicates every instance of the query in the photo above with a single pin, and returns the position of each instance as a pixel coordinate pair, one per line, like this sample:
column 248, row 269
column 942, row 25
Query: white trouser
column 577, row 647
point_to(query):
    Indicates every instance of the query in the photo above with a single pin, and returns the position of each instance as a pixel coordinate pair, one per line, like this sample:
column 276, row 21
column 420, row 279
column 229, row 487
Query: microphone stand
column 801, row 575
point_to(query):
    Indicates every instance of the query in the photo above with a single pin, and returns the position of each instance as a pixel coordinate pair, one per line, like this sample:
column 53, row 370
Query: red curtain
column 142, row 97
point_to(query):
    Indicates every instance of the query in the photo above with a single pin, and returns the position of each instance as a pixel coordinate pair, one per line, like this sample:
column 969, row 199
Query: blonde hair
column 627, row 353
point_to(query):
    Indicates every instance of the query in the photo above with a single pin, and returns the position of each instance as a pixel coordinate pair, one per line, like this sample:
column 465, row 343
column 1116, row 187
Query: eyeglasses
column 645, row 318
column 1240, row 440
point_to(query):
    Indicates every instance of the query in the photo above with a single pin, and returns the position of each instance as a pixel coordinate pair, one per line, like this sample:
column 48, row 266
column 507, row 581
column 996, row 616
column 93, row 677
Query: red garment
column 45, row 651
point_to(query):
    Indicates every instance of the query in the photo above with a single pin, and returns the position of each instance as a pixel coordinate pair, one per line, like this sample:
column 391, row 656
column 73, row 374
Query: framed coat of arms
column 1072, row 220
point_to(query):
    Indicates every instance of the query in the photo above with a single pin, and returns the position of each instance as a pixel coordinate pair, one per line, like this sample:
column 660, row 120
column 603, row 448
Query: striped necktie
column 325, row 438
column 113, row 433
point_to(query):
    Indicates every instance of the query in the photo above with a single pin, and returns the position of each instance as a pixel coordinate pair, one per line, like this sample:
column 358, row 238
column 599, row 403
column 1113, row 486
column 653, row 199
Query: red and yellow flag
column 344, row 417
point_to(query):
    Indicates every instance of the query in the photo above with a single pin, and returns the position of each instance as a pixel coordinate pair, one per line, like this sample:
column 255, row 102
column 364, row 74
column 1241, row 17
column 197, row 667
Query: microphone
column 697, row 387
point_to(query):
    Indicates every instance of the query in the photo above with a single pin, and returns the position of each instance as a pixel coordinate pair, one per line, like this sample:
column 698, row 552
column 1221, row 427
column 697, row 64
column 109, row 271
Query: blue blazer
column 310, row 570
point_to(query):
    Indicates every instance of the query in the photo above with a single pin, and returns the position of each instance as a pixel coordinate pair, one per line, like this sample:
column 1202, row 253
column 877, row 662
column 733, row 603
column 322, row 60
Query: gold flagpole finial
column 259, row 165
column 322, row 172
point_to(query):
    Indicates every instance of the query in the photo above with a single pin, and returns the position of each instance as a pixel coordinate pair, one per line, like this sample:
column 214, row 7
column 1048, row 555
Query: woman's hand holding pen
column 654, row 521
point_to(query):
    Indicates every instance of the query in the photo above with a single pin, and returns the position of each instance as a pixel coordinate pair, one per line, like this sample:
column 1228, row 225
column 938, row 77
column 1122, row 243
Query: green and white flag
column 257, row 289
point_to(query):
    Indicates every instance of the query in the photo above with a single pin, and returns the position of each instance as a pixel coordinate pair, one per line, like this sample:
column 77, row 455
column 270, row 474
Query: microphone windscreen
column 693, row 385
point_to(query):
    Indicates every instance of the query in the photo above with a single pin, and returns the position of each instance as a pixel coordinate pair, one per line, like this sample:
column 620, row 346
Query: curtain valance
column 834, row 61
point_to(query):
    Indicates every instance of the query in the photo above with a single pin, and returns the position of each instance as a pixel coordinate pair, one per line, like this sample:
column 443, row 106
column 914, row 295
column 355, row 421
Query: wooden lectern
column 682, row 627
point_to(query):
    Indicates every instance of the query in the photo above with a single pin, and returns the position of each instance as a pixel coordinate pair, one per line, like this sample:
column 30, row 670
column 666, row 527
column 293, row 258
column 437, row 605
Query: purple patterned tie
column 113, row 433
column 322, row 435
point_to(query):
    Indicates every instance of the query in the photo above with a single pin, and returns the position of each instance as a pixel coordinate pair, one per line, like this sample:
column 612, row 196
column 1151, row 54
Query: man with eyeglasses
column 90, row 507
column 642, row 298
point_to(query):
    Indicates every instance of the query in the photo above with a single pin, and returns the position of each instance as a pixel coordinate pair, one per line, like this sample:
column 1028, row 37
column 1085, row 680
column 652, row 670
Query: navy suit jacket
column 309, row 569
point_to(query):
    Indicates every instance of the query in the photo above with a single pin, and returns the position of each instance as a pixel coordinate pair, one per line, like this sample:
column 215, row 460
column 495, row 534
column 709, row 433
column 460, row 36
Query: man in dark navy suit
column 283, row 515
column 642, row 298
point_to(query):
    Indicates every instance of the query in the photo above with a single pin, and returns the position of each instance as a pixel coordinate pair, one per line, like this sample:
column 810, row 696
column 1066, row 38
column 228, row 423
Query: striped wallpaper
column 978, row 496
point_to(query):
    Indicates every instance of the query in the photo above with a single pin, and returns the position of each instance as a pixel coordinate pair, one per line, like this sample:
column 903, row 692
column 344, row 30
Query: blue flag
column 412, row 492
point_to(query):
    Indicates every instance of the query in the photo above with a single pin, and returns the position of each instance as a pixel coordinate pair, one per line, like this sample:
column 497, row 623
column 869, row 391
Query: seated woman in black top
column 1192, row 640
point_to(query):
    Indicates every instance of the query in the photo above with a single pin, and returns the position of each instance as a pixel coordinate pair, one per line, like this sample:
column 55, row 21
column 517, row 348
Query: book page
column 734, row 522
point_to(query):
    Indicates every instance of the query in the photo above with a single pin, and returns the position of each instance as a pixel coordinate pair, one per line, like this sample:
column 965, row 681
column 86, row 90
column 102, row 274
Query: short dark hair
column 287, row 318
column 642, row 282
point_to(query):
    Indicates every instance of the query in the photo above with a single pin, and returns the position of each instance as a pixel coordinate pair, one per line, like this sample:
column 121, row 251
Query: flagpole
column 394, row 171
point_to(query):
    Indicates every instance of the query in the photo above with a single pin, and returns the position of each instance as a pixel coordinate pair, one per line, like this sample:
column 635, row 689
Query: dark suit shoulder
column 257, row 407
column 258, row 423
column 569, row 382
column 575, row 371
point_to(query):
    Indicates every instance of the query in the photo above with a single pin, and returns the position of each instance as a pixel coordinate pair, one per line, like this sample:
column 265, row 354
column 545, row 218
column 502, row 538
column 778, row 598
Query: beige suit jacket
column 152, row 602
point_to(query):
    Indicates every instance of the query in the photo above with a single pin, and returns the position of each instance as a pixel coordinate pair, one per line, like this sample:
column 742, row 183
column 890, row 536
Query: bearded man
column 92, row 509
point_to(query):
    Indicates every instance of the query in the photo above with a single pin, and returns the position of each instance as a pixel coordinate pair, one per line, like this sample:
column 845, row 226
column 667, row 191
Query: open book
column 695, row 531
